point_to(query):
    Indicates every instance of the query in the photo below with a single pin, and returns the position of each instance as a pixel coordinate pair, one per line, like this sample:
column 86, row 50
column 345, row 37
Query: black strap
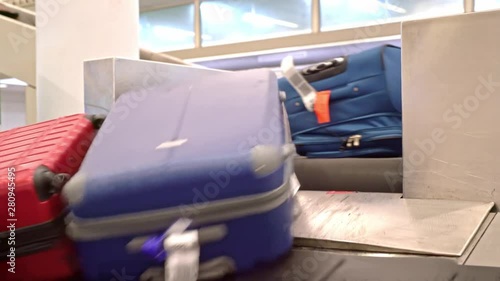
column 32, row 239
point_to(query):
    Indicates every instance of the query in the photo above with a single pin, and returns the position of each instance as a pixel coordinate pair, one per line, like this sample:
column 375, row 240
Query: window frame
column 316, row 37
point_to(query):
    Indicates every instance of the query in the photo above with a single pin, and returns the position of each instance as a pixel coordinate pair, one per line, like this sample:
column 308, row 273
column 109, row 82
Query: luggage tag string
column 299, row 83
column 317, row 102
column 153, row 246
column 177, row 247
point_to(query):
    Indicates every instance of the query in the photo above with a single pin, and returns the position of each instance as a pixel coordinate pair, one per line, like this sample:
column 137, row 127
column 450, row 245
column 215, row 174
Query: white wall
column 71, row 32
column 12, row 107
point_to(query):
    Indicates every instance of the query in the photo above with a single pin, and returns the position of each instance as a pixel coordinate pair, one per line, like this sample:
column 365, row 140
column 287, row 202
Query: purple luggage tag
column 154, row 247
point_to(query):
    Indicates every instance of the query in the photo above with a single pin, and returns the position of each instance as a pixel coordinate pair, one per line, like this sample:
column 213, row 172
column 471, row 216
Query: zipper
column 311, row 130
column 152, row 221
column 33, row 239
column 354, row 140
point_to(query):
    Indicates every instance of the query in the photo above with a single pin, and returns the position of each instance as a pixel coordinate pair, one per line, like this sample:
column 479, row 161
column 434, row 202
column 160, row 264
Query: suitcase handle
column 325, row 69
column 48, row 183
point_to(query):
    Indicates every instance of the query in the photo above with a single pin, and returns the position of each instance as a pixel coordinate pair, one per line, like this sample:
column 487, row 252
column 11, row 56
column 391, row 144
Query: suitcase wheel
column 48, row 183
column 96, row 120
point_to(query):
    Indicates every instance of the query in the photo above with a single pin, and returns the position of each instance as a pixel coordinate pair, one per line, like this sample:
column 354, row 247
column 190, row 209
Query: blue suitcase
column 216, row 153
column 348, row 106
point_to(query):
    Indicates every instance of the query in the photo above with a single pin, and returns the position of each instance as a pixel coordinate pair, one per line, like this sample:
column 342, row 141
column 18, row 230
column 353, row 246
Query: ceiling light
column 394, row 8
column 12, row 81
column 206, row 37
column 216, row 12
column 171, row 32
column 365, row 6
column 257, row 19
column 2, row 86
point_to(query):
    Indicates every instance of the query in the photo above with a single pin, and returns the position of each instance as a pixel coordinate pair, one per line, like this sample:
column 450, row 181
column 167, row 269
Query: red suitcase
column 35, row 162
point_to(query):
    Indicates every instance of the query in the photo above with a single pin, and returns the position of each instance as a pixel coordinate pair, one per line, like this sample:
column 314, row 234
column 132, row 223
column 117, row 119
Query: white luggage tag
column 303, row 88
column 183, row 248
column 295, row 186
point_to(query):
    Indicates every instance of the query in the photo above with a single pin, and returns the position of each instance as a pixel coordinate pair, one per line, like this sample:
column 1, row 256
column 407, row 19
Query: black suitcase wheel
column 48, row 183
column 97, row 120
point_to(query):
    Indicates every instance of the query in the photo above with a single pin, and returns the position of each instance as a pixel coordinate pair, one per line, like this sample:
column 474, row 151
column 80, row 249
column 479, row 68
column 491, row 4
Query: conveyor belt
column 354, row 174
column 361, row 216
column 487, row 251
column 315, row 265
column 387, row 223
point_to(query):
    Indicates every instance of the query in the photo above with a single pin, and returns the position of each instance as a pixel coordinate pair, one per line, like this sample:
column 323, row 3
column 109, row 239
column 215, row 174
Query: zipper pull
column 353, row 141
column 356, row 140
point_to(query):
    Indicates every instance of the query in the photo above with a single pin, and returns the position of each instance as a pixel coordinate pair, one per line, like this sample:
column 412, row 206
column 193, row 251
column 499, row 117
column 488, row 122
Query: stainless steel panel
column 475, row 240
column 385, row 222
column 99, row 88
column 352, row 174
column 315, row 265
column 487, row 251
column 105, row 80
column 451, row 101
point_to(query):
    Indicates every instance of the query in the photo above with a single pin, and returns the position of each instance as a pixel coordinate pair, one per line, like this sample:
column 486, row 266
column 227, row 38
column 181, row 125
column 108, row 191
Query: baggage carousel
column 383, row 237
column 375, row 235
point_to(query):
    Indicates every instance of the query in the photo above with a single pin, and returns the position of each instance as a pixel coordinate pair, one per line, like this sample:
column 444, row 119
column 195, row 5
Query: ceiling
column 148, row 5
column 26, row 4
column 145, row 5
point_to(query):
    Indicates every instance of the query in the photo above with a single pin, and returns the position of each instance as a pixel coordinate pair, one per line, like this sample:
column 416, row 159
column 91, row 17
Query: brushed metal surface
column 451, row 97
column 99, row 88
column 350, row 174
column 487, row 251
column 475, row 240
column 105, row 80
column 387, row 223
column 315, row 265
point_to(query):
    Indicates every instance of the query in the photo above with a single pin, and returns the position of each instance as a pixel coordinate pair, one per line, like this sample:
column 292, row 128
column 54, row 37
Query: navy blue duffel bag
column 346, row 107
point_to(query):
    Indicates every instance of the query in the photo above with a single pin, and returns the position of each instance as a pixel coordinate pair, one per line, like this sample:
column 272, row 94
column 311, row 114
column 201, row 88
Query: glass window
column 167, row 29
column 482, row 5
column 338, row 14
column 230, row 21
